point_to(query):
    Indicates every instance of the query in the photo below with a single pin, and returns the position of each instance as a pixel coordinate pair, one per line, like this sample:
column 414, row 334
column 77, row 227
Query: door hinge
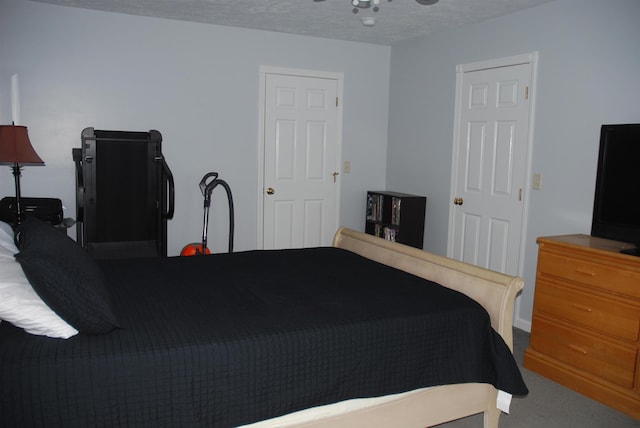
column 336, row 101
column 526, row 93
column 520, row 195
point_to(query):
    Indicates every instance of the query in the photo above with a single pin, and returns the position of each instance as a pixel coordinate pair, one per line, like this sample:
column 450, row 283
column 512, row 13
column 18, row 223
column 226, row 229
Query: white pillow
column 19, row 303
column 7, row 242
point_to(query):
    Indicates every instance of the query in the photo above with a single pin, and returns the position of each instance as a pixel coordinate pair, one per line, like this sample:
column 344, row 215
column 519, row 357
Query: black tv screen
column 616, row 207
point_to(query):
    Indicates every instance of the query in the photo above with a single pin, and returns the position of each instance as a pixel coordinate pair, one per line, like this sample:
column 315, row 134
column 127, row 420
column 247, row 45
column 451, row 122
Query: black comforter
column 229, row 339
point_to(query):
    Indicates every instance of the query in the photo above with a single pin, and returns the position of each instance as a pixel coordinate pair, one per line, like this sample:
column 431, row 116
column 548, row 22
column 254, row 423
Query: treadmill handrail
column 77, row 158
column 166, row 172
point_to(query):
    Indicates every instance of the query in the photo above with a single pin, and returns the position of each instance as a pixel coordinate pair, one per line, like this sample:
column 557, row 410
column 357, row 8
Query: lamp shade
column 15, row 147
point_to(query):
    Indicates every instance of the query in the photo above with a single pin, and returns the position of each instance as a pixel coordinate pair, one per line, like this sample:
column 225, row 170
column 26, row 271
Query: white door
column 490, row 165
column 300, row 186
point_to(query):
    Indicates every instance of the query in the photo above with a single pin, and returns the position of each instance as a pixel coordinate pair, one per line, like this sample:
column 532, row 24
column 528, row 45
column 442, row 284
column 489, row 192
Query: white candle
column 15, row 100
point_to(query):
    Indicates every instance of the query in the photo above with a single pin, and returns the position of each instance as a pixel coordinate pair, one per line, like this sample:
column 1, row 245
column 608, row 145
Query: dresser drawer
column 597, row 357
column 598, row 275
column 605, row 315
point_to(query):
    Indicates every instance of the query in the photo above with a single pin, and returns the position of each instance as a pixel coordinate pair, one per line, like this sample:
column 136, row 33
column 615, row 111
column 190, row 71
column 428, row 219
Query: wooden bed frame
column 496, row 292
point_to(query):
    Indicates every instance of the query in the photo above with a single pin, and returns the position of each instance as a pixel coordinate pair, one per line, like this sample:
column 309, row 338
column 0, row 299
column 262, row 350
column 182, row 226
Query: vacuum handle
column 207, row 184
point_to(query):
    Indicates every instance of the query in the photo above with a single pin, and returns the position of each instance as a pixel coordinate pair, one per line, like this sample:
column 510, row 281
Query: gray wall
column 589, row 74
column 198, row 84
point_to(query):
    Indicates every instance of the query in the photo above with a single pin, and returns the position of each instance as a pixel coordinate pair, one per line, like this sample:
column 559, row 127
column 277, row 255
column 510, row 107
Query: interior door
column 490, row 166
column 301, row 157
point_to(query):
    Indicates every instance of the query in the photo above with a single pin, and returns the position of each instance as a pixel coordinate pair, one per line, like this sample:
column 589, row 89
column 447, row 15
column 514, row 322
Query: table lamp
column 16, row 150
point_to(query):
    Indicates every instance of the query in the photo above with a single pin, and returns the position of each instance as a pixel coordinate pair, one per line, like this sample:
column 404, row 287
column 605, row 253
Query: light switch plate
column 537, row 181
column 346, row 167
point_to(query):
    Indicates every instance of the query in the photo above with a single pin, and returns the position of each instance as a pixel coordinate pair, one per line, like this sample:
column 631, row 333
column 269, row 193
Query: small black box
column 46, row 209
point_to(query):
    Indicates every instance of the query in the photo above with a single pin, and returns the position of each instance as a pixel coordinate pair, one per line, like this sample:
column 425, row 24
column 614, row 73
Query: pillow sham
column 19, row 303
column 65, row 277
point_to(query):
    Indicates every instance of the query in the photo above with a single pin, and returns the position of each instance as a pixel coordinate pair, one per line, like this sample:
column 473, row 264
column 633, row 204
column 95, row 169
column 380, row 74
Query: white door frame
column 264, row 71
column 532, row 59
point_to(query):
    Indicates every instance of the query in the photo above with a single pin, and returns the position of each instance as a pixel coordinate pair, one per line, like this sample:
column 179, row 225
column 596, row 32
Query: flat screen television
column 616, row 207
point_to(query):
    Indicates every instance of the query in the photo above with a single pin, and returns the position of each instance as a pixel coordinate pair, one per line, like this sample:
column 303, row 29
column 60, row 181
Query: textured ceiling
column 396, row 21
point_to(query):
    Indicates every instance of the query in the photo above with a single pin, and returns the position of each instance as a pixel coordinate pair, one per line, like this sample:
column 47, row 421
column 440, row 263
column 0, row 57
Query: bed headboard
column 496, row 292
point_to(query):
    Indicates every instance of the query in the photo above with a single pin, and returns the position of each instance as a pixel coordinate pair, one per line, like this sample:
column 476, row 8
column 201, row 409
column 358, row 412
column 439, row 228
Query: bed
column 386, row 334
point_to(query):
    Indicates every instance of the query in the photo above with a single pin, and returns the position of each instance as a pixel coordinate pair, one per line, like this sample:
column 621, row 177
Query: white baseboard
column 522, row 324
column 518, row 321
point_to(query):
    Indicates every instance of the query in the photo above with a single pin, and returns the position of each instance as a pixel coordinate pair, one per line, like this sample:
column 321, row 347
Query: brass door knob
column 270, row 191
column 458, row 201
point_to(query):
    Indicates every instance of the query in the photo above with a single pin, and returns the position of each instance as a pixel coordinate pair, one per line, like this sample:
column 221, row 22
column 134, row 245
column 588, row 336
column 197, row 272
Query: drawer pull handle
column 584, row 272
column 582, row 307
column 577, row 349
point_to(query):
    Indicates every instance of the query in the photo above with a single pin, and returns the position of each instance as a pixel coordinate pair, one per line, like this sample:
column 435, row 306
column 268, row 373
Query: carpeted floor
column 549, row 404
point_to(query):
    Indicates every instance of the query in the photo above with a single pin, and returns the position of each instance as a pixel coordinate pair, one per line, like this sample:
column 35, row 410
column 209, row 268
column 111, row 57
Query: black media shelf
column 396, row 216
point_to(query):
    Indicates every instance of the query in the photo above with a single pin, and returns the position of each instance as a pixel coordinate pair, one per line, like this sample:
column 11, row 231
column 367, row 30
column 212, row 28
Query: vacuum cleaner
column 209, row 182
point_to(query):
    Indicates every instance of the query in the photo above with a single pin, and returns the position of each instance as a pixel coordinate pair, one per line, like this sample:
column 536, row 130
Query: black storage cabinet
column 124, row 194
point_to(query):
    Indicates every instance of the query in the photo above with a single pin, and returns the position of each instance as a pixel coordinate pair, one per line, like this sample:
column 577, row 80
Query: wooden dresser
column 586, row 319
